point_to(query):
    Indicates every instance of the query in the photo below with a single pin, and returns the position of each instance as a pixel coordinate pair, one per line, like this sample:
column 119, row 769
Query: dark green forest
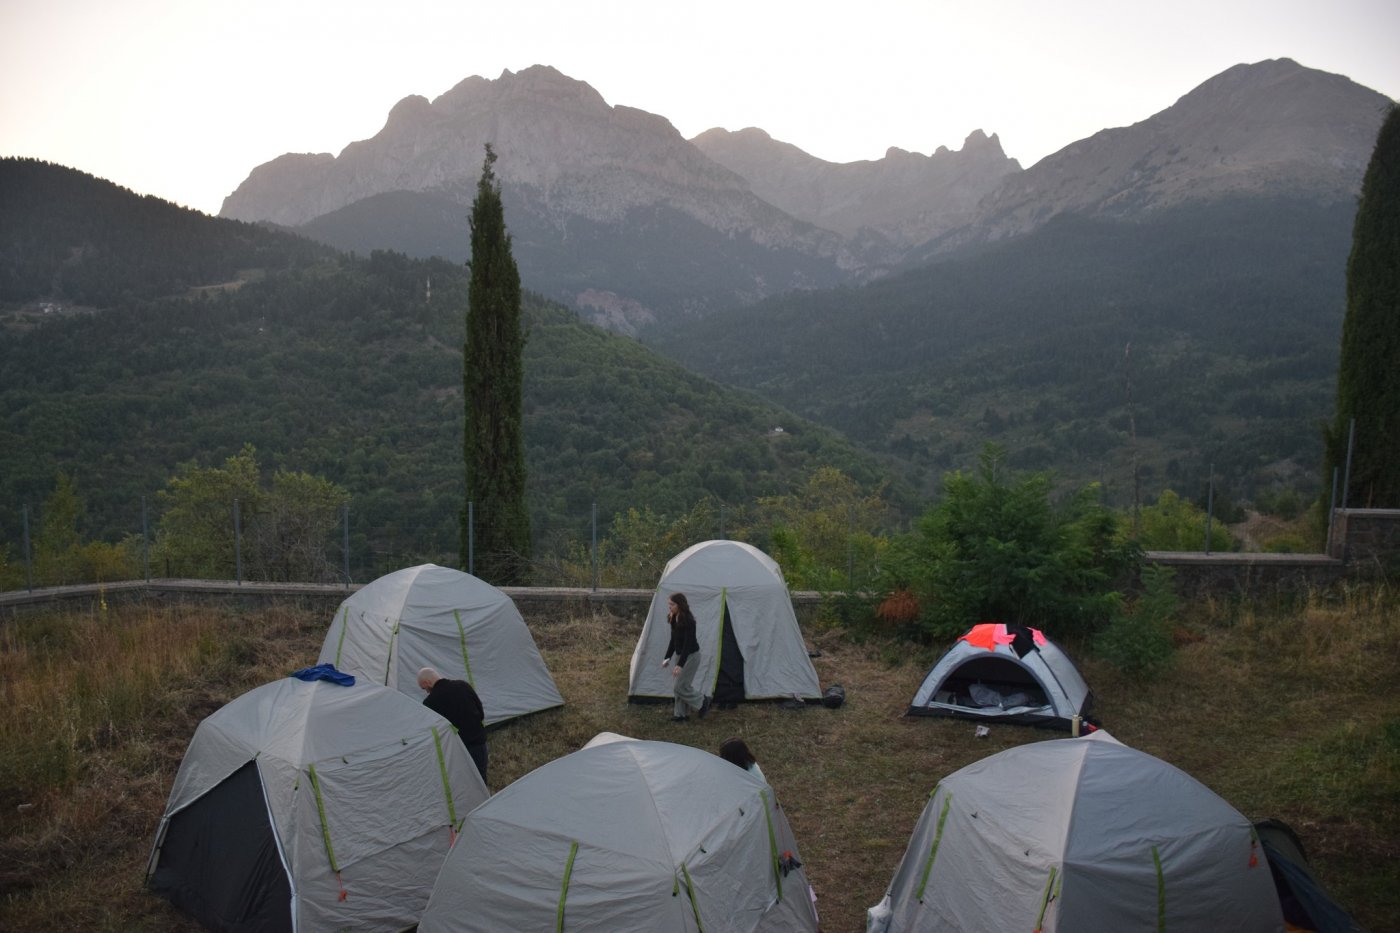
column 1206, row 335
column 72, row 237
column 129, row 349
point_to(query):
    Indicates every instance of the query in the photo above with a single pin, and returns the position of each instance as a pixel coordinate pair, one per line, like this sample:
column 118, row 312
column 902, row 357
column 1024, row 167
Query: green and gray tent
column 751, row 647
column 1079, row 834
column 313, row 806
column 462, row 626
column 626, row 836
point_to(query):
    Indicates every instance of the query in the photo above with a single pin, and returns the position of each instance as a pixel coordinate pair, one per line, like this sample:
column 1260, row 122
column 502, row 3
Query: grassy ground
column 1292, row 715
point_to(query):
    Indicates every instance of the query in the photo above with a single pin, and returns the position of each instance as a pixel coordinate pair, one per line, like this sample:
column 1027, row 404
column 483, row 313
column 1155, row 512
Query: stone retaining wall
column 1257, row 576
column 1367, row 541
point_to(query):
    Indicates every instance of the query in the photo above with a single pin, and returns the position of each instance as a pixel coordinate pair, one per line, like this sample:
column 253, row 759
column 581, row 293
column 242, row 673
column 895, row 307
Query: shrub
column 997, row 548
column 1174, row 524
column 1140, row 642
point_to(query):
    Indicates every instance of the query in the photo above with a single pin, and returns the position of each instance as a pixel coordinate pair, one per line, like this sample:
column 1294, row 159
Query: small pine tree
column 1368, row 377
column 1140, row 642
column 498, row 547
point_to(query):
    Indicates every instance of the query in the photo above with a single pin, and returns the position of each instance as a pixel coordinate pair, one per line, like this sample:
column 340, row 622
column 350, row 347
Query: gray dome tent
column 277, row 819
column 1078, row 834
column 1005, row 673
column 625, row 836
column 751, row 646
column 431, row 616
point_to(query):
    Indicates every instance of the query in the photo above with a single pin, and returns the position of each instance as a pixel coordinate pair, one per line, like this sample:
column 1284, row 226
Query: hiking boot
column 704, row 708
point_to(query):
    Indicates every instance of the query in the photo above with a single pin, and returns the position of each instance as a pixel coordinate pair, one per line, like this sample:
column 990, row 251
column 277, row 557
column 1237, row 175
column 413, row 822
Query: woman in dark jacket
column 683, row 657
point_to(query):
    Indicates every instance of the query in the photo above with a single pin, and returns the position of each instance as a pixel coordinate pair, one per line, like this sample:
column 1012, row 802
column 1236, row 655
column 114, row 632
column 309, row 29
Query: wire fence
column 592, row 549
column 306, row 542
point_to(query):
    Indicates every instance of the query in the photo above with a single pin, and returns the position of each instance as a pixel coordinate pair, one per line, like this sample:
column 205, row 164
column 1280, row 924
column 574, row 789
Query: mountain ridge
column 628, row 223
column 1273, row 128
column 905, row 197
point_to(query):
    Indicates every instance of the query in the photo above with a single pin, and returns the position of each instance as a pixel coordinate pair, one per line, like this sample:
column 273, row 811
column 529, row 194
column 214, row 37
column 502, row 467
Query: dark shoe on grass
column 679, row 718
column 704, row 708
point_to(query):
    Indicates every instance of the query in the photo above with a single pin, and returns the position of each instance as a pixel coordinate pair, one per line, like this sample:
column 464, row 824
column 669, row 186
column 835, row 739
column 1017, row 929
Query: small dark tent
column 1306, row 904
column 1005, row 673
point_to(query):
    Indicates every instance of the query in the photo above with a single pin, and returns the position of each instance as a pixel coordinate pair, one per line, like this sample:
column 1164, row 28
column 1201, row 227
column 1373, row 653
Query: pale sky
column 183, row 98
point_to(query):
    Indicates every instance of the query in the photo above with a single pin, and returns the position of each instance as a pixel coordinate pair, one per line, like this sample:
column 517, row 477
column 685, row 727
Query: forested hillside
column 332, row 364
column 71, row 237
column 1206, row 335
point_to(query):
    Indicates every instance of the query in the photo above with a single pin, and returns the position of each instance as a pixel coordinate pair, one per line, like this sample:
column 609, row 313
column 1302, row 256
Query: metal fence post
column 471, row 536
column 1332, row 512
column 594, row 550
column 1346, row 477
column 345, row 541
column 851, row 549
column 28, row 556
column 1210, row 505
column 237, row 545
column 145, row 542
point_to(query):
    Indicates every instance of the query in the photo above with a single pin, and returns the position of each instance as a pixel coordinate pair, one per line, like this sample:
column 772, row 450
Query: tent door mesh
column 729, row 680
column 219, row 861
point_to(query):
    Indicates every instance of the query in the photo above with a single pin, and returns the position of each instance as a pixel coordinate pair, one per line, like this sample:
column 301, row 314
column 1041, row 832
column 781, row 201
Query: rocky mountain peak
column 553, row 133
column 977, row 140
column 1271, row 127
column 409, row 111
column 903, row 198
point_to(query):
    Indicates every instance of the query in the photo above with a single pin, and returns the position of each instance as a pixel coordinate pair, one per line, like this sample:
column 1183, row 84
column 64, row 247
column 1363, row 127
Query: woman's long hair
column 683, row 613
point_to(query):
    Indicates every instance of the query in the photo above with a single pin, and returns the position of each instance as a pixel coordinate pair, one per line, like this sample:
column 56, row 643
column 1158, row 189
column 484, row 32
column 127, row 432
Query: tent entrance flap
column 219, row 861
column 977, row 682
column 729, row 679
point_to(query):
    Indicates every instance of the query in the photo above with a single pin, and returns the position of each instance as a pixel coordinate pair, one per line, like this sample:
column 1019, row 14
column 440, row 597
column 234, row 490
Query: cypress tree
column 492, row 376
column 1368, row 376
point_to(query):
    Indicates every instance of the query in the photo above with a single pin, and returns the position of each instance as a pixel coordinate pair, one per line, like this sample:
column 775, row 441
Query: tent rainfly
column 1005, row 673
column 431, row 616
column 751, row 647
column 308, row 806
column 626, row 836
column 1078, row 834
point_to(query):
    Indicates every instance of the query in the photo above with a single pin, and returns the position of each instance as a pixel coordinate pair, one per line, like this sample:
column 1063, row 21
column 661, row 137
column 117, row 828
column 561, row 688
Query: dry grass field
column 1294, row 715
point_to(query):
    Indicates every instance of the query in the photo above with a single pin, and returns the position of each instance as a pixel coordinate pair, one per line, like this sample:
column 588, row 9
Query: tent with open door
column 308, row 806
column 751, row 647
column 626, row 836
column 431, row 616
column 1077, row 834
column 1005, row 673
